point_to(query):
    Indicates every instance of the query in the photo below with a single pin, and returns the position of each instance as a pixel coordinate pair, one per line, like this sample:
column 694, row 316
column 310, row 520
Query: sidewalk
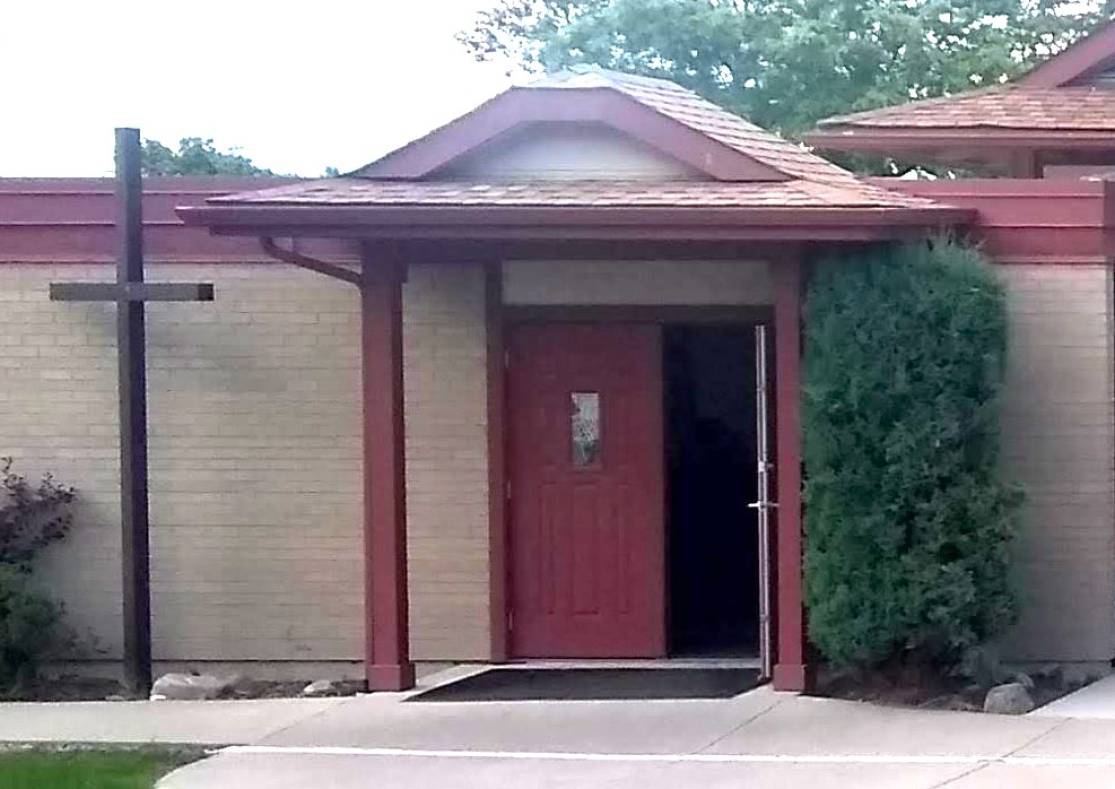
column 1096, row 702
column 179, row 722
column 758, row 739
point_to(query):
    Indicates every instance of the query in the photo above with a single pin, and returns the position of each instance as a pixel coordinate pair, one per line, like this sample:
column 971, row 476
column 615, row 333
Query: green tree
column 787, row 63
column 195, row 156
column 908, row 526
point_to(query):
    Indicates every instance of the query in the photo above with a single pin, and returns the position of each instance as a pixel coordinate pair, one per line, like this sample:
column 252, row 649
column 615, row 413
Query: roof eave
column 576, row 222
column 907, row 138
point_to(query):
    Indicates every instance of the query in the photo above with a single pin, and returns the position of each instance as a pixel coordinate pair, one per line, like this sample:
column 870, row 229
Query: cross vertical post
column 132, row 357
column 130, row 293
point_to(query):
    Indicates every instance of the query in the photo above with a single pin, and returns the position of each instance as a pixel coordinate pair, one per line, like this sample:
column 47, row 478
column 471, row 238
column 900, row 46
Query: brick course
column 255, row 456
column 1059, row 443
column 445, row 376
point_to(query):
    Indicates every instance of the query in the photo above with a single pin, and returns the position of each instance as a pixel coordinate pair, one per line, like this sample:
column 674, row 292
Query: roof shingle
column 790, row 194
column 1004, row 107
column 811, row 181
column 702, row 115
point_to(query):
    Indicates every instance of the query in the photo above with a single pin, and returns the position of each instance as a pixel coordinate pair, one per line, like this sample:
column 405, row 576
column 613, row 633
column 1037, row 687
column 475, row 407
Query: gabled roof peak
column 1094, row 52
column 584, row 75
column 656, row 112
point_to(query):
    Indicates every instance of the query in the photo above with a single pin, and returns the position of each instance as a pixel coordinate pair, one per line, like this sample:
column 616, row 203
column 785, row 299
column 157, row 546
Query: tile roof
column 702, row 115
column 1083, row 109
column 351, row 191
column 811, row 181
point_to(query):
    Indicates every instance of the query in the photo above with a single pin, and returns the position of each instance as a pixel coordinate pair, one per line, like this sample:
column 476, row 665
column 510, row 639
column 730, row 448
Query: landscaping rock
column 1009, row 699
column 1025, row 680
column 1054, row 675
column 190, row 687
column 320, row 687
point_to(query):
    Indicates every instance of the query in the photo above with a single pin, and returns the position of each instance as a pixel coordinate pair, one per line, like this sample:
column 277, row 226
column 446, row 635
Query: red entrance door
column 586, row 463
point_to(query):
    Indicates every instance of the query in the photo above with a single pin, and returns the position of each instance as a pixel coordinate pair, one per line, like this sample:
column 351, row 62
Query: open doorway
column 712, row 534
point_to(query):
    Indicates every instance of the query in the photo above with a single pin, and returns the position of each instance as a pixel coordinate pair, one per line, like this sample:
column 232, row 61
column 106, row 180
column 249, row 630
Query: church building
column 528, row 387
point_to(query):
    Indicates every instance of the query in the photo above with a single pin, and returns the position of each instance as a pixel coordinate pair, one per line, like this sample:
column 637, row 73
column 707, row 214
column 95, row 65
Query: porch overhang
column 391, row 236
column 579, row 223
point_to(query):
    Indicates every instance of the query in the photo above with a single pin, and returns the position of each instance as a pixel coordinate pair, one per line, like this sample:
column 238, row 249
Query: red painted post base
column 792, row 677
column 390, row 677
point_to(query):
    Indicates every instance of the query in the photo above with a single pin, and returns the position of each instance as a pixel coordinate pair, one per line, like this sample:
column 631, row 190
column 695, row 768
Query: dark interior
column 712, row 534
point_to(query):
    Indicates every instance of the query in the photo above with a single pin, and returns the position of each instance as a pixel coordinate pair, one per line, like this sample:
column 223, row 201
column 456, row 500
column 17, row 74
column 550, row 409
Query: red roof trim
column 920, row 138
column 1094, row 52
column 1032, row 221
column 519, row 106
column 595, row 222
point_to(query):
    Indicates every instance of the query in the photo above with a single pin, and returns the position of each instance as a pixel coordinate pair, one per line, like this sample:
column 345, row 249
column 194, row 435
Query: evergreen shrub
column 32, row 627
column 908, row 526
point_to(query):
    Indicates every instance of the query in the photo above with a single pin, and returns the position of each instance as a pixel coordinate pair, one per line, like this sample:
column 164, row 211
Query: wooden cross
column 130, row 293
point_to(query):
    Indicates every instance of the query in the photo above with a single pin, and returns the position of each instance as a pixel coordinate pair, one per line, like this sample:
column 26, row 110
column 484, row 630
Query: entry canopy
column 587, row 153
column 1060, row 113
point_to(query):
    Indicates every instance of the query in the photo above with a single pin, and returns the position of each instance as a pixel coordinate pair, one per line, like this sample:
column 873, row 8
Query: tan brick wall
column 447, row 461
column 255, row 456
column 1059, row 443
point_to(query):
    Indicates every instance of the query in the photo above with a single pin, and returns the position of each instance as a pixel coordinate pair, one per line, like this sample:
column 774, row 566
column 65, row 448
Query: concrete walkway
column 759, row 739
column 1096, row 702
column 179, row 722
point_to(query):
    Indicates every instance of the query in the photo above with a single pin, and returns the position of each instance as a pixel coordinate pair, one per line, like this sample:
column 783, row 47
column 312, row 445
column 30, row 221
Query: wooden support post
column 497, row 471
column 387, row 651
column 1025, row 164
column 790, row 671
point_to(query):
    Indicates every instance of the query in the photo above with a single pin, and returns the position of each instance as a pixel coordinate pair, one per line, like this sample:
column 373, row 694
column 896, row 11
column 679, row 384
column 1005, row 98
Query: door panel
column 586, row 509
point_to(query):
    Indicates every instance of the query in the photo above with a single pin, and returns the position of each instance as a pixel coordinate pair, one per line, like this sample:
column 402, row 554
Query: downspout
column 313, row 264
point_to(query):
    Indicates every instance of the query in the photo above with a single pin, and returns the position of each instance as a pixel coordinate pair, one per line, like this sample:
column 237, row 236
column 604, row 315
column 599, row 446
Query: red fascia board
column 451, row 218
column 1009, row 202
column 207, row 185
column 608, row 106
column 1032, row 221
column 559, row 234
column 1092, row 53
column 595, row 224
column 93, row 201
column 993, row 138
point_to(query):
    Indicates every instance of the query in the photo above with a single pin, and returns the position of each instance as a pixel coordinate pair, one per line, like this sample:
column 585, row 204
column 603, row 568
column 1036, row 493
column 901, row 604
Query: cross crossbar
column 131, row 291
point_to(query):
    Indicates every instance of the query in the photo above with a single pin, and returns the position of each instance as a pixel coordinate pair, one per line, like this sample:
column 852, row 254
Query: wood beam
column 387, row 650
column 1025, row 163
column 790, row 670
column 131, row 291
column 497, row 466
column 131, row 348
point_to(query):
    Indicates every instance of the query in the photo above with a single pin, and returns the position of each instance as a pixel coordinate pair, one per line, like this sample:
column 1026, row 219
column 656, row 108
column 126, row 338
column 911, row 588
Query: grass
column 88, row 769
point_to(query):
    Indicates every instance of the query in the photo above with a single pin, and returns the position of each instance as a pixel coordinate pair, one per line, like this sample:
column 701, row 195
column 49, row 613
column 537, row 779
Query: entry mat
column 595, row 684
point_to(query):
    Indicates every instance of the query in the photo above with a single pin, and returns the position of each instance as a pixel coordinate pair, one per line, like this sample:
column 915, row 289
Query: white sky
column 296, row 86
